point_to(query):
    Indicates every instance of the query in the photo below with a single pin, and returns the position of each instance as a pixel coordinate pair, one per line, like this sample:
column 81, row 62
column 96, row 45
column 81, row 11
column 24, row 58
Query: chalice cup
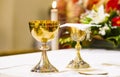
column 44, row 31
column 77, row 35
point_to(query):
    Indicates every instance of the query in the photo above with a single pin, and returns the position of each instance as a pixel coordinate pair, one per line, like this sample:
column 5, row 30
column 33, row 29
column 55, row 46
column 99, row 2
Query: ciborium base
column 77, row 64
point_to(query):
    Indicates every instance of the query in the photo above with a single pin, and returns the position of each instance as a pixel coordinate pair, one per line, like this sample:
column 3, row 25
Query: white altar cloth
column 99, row 59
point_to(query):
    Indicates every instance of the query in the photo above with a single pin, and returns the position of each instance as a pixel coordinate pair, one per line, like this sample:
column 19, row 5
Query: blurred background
column 14, row 18
column 15, row 15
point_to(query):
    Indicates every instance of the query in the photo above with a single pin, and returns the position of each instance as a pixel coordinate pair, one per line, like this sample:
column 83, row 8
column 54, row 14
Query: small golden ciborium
column 44, row 31
column 77, row 35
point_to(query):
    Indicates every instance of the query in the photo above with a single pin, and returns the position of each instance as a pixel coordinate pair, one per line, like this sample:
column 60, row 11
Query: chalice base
column 45, row 68
column 77, row 64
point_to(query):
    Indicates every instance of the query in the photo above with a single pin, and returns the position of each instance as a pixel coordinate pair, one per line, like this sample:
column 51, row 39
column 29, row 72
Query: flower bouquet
column 108, row 33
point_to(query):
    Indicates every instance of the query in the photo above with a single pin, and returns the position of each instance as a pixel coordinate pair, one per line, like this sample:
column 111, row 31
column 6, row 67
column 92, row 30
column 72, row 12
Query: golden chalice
column 78, row 35
column 44, row 31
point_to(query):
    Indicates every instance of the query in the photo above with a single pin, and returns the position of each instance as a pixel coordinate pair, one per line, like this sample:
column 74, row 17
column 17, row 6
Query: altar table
column 107, row 61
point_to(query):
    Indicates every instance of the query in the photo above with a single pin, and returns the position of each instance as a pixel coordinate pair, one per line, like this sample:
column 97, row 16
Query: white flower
column 92, row 14
column 103, row 29
column 98, row 16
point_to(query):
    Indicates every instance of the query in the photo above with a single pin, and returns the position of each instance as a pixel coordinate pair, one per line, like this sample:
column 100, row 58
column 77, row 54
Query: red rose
column 116, row 21
column 112, row 5
column 118, row 7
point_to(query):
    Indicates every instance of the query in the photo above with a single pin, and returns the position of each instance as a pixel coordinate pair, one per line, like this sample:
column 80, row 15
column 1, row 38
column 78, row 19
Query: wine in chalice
column 44, row 31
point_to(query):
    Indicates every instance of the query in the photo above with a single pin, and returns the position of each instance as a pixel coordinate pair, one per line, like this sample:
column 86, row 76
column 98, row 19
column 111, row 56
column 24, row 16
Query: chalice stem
column 44, row 64
column 78, row 47
column 45, row 58
column 44, row 48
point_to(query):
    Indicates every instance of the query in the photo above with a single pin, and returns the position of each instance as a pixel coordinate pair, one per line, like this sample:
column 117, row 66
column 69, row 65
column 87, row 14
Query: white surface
column 20, row 65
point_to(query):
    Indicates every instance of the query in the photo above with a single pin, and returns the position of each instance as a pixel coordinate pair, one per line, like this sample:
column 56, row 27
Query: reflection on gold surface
column 43, row 31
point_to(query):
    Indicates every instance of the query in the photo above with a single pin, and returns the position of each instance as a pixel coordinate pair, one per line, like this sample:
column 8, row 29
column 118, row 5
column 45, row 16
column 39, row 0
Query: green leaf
column 95, row 30
column 86, row 20
column 113, row 13
column 115, row 31
column 115, row 40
